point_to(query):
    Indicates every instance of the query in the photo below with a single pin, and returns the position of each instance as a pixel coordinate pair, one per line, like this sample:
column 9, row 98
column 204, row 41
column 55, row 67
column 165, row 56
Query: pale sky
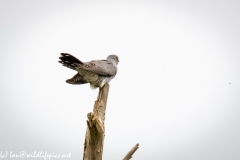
column 176, row 92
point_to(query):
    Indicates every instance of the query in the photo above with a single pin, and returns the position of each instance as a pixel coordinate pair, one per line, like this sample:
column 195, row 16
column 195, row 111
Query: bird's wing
column 102, row 67
column 76, row 79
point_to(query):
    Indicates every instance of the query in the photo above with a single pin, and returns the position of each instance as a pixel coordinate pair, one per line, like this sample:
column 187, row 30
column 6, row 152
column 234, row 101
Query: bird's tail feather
column 69, row 61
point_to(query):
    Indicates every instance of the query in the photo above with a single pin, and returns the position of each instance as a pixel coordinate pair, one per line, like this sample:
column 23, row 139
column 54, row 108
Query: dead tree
column 94, row 139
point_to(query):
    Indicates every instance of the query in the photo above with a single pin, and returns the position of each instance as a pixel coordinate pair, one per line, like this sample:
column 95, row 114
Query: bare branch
column 131, row 152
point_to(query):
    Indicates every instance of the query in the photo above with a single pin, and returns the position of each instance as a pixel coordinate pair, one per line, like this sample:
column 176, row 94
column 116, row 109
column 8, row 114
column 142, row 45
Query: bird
column 95, row 72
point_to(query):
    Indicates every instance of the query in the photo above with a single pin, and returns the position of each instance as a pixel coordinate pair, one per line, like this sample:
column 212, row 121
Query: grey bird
column 95, row 72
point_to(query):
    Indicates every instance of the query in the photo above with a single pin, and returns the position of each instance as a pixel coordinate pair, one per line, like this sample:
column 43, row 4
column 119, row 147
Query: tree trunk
column 93, row 146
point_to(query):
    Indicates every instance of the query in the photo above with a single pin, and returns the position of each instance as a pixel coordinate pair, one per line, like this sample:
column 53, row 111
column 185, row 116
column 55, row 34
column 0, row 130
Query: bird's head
column 113, row 58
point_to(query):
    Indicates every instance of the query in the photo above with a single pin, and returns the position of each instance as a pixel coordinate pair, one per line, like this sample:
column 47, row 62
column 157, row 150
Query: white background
column 176, row 92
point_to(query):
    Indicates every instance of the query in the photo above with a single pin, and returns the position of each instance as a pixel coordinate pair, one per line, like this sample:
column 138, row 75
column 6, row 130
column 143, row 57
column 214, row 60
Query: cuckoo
column 95, row 72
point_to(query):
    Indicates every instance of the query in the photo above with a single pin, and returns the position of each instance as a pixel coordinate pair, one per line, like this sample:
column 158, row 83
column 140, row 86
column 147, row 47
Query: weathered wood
column 93, row 146
column 131, row 152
